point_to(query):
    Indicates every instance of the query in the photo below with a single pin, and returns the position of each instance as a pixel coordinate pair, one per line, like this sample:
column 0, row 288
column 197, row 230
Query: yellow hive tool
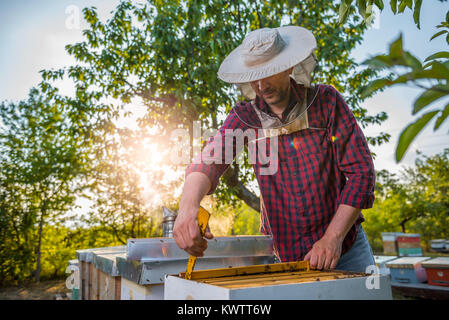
column 203, row 219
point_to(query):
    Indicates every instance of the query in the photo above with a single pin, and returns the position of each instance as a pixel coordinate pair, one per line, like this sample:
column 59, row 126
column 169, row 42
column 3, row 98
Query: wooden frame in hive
column 291, row 280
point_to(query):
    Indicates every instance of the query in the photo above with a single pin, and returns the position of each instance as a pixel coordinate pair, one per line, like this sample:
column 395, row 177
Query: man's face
column 273, row 89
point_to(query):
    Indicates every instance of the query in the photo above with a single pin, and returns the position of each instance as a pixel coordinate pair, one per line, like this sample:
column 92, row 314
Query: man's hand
column 187, row 233
column 325, row 253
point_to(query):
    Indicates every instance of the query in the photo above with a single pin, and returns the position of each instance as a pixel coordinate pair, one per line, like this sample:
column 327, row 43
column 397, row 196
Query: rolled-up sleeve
column 353, row 156
column 213, row 159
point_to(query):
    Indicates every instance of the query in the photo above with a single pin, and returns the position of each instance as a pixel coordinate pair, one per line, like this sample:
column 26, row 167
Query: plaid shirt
column 319, row 168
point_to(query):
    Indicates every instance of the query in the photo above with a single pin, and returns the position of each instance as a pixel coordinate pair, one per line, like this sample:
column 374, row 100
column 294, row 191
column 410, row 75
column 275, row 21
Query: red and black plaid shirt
column 319, row 168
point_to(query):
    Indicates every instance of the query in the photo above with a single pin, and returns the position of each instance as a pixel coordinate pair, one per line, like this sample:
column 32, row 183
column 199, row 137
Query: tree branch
column 232, row 180
column 170, row 100
column 238, row 16
column 258, row 15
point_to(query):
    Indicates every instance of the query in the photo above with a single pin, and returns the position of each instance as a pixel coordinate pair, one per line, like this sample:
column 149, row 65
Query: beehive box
column 130, row 290
column 147, row 261
column 438, row 245
column 437, row 271
column 108, row 278
column 280, row 281
column 90, row 276
column 407, row 270
column 381, row 263
column 137, row 271
column 389, row 240
column 71, row 282
column 409, row 245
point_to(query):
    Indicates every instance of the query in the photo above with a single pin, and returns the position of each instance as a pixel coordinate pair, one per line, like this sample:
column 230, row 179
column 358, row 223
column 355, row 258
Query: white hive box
column 438, row 244
column 282, row 281
column 147, row 261
column 133, row 291
column 381, row 263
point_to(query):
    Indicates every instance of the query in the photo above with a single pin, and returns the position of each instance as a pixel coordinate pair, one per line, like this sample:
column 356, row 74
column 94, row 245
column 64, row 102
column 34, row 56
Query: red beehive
column 437, row 271
column 409, row 245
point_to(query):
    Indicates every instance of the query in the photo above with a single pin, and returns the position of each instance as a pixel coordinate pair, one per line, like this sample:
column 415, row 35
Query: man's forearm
column 196, row 186
column 342, row 222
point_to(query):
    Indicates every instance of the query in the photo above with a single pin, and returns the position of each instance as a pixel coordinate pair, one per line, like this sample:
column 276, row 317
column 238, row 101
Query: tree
column 166, row 55
column 16, row 232
column 431, row 75
column 119, row 202
column 41, row 156
column 414, row 202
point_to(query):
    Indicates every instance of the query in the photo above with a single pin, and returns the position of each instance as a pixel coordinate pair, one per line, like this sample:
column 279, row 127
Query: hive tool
column 203, row 219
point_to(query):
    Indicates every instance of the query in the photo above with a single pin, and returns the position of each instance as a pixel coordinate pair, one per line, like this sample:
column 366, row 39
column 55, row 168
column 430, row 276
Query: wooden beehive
column 291, row 280
column 409, row 245
column 407, row 270
column 269, row 274
column 437, row 271
column 390, row 243
column 98, row 277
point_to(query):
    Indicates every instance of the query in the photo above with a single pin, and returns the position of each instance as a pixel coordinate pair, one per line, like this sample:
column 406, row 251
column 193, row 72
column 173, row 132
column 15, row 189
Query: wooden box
column 409, row 245
column 381, row 263
column 94, row 285
column 389, row 240
column 133, row 291
column 437, row 271
column 408, row 270
column 280, row 281
column 438, row 245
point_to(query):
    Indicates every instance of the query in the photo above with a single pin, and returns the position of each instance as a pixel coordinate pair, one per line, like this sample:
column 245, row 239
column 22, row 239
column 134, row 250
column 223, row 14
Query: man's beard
column 276, row 96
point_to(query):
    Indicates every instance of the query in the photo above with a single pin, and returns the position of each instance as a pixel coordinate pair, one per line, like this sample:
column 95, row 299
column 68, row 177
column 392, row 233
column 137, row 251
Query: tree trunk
column 402, row 224
column 37, row 274
column 231, row 176
column 231, row 179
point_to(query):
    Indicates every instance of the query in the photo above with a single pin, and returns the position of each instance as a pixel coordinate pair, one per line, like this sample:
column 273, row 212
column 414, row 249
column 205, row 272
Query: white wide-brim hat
column 268, row 51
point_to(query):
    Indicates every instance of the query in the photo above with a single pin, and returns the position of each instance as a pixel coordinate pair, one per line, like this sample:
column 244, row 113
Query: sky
column 33, row 34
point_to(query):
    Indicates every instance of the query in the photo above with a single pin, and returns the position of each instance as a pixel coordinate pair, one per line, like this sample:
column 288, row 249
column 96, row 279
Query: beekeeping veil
column 264, row 53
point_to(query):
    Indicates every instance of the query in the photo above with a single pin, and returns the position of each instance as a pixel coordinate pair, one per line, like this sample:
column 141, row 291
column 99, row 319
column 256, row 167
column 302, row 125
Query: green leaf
column 402, row 6
column 442, row 117
column 416, row 12
column 343, row 12
column 411, row 61
column 361, row 5
column 429, row 96
column 396, row 47
column 379, row 4
column 439, row 71
column 410, row 132
column 394, row 6
column 438, row 55
column 374, row 86
column 438, row 34
column 379, row 62
column 409, row 3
